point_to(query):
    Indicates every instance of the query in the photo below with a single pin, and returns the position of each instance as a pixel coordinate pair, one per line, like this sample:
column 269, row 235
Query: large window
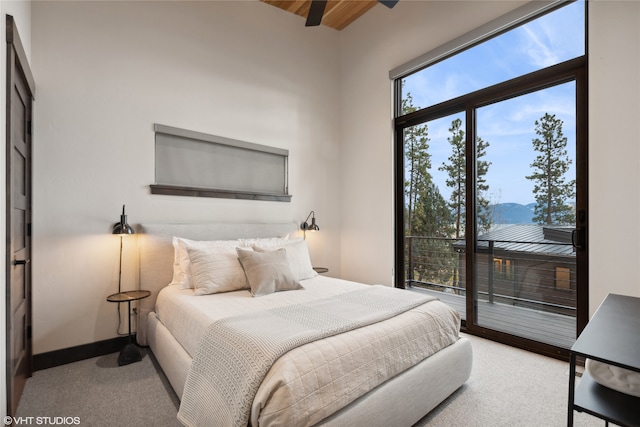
column 491, row 173
column 549, row 40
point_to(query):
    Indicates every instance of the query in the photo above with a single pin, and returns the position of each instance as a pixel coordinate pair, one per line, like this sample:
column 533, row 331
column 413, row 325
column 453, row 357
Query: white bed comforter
column 317, row 379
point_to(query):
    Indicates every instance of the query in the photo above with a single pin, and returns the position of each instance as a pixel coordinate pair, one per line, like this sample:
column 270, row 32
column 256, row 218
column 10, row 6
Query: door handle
column 576, row 238
column 21, row 261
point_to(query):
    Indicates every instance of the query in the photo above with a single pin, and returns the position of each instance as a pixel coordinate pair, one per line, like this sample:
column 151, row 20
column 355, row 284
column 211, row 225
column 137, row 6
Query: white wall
column 21, row 12
column 381, row 41
column 106, row 72
column 614, row 149
column 372, row 46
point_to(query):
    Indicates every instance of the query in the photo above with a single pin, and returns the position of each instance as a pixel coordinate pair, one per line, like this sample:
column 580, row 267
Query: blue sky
column 508, row 126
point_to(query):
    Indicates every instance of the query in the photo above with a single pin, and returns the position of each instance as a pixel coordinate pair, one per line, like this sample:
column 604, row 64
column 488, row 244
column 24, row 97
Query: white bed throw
column 235, row 354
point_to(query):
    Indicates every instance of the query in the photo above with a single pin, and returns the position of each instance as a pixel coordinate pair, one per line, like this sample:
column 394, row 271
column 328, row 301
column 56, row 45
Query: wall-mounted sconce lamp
column 305, row 226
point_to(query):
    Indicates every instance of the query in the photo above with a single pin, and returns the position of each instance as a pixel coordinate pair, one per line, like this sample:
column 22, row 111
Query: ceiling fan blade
column 388, row 3
column 316, row 10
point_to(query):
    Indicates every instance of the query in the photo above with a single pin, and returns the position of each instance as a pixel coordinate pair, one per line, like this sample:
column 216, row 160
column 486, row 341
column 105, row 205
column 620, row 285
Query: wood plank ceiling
column 338, row 13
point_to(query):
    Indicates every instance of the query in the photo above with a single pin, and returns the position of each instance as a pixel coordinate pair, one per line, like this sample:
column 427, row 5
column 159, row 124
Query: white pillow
column 267, row 272
column 297, row 255
column 182, row 263
column 216, row 269
column 265, row 242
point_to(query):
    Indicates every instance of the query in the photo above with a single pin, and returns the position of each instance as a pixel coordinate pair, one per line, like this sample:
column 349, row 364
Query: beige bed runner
column 235, row 354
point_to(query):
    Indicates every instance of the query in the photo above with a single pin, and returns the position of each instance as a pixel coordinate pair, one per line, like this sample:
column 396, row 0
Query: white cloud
column 539, row 51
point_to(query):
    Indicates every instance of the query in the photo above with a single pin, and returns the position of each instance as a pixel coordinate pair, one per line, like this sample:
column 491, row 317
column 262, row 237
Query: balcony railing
column 523, row 288
column 536, row 275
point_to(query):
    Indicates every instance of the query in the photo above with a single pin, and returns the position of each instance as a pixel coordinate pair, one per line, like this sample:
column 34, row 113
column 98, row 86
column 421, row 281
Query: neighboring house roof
column 528, row 238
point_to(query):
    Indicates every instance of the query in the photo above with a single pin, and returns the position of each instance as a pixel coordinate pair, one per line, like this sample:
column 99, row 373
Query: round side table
column 130, row 352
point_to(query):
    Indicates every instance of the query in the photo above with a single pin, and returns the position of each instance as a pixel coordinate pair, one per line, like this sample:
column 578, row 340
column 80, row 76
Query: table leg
column 129, row 312
column 572, row 389
column 130, row 353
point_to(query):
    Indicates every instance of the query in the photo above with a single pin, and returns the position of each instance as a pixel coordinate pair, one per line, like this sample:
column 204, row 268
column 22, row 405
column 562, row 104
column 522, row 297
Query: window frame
column 571, row 70
column 525, row 13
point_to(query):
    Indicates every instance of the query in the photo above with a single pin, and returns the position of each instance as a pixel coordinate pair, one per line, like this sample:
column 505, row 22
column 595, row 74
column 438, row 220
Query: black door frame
column 572, row 70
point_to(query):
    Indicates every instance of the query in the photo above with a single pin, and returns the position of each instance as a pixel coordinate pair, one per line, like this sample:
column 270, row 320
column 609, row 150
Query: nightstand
column 130, row 353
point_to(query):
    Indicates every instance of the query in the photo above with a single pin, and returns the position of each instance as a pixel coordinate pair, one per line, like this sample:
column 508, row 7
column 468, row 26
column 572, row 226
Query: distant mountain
column 513, row 213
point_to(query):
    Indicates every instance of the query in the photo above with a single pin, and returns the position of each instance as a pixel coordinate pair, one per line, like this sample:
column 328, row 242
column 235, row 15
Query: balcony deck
column 549, row 328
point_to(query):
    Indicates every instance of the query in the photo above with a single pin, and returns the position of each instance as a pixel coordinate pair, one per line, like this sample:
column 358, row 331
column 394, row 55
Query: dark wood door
column 18, row 194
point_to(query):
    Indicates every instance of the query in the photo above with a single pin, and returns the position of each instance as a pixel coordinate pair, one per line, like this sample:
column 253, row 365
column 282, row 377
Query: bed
column 398, row 387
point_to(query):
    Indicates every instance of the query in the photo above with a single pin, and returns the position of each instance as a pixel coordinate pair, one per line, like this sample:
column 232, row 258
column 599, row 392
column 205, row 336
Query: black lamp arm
column 306, row 226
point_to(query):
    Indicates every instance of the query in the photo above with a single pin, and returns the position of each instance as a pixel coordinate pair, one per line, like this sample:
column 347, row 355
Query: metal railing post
column 410, row 257
column 490, row 264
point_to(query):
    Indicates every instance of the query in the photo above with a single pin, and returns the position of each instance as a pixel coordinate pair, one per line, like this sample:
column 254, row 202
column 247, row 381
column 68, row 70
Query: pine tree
column 418, row 160
column 484, row 211
column 550, row 166
column 427, row 215
column 457, row 172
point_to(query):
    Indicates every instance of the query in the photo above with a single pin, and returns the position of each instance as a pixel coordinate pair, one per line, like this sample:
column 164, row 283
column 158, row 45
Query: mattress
column 187, row 316
column 317, row 379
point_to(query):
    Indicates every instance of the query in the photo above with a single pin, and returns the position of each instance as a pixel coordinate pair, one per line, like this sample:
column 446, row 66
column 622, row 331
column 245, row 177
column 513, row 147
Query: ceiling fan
column 316, row 10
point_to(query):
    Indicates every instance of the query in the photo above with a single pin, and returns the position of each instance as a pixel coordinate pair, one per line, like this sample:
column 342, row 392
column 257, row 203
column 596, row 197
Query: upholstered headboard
column 156, row 253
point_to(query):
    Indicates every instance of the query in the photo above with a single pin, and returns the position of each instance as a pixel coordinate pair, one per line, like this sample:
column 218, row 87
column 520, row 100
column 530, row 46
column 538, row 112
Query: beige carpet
column 100, row 393
column 508, row 387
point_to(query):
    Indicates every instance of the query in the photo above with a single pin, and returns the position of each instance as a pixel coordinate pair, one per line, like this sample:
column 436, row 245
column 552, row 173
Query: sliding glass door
column 525, row 266
column 491, row 180
column 493, row 208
